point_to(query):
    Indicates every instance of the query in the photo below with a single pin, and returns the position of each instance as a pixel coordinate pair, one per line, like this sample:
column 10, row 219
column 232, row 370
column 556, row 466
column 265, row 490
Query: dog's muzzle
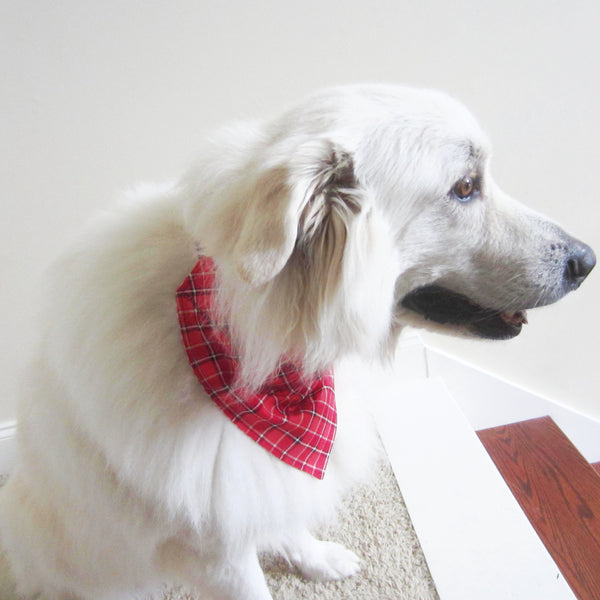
column 441, row 305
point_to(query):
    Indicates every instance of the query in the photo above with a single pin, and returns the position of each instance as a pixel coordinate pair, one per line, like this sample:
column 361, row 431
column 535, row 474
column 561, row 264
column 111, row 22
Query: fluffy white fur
column 320, row 222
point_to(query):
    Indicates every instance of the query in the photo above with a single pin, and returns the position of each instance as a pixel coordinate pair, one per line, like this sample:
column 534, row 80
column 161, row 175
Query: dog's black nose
column 580, row 262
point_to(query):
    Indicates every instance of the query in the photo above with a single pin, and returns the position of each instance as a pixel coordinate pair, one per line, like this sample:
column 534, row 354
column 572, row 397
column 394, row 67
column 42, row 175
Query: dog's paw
column 325, row 561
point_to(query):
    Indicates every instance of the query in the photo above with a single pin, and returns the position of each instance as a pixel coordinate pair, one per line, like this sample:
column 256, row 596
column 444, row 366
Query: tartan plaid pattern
column 293, row 419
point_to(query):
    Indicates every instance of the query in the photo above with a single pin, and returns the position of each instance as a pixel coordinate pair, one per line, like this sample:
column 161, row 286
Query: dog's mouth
column 443, row 306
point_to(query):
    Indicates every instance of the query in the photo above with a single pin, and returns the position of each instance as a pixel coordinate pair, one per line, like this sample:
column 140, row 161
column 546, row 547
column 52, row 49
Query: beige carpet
column 374, row 523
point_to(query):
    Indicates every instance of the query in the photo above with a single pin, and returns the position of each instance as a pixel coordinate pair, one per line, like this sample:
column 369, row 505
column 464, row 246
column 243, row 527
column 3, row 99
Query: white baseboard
column 8, row 449
column 489, row 401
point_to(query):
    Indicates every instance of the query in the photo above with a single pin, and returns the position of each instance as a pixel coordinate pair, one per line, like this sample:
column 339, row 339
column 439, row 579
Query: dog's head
column 369, row 208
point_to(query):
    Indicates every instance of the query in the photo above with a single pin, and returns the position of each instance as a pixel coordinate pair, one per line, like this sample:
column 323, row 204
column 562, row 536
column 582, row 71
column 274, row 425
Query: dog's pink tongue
column 517, row 318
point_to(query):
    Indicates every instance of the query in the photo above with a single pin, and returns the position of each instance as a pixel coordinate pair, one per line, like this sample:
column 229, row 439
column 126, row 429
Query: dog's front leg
column 318, row 560
column 225, row 575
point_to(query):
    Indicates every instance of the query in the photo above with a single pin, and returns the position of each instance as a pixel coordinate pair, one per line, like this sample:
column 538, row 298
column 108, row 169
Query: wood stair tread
column 558, row 490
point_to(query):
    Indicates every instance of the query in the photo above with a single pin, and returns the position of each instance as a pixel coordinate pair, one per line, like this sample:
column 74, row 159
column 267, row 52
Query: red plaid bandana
column 293, row 419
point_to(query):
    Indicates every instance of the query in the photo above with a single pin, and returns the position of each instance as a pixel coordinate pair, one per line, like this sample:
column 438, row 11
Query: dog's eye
column 464, row 189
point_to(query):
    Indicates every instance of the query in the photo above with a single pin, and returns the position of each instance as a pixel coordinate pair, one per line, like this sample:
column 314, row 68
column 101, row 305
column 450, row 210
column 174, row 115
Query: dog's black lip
column 446, row 307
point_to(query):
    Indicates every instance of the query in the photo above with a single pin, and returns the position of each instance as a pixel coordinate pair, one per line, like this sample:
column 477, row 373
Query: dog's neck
column 291, row 416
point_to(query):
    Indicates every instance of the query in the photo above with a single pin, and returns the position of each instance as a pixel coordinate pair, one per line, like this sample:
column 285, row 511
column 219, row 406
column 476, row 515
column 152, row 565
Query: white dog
column 156, row 443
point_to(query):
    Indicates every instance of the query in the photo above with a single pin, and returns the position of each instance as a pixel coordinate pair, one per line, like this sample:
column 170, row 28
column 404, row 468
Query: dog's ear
column 267, row 229
column 304, row 202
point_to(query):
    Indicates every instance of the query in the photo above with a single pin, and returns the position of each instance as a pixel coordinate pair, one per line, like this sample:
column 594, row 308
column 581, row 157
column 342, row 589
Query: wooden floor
column 558, row 490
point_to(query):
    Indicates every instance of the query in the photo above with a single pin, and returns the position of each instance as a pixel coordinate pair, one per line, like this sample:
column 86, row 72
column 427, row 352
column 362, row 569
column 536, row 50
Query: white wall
column 98, row 95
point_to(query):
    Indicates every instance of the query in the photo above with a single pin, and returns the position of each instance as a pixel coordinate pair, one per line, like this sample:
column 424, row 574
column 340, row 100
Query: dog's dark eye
column 464, row 188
